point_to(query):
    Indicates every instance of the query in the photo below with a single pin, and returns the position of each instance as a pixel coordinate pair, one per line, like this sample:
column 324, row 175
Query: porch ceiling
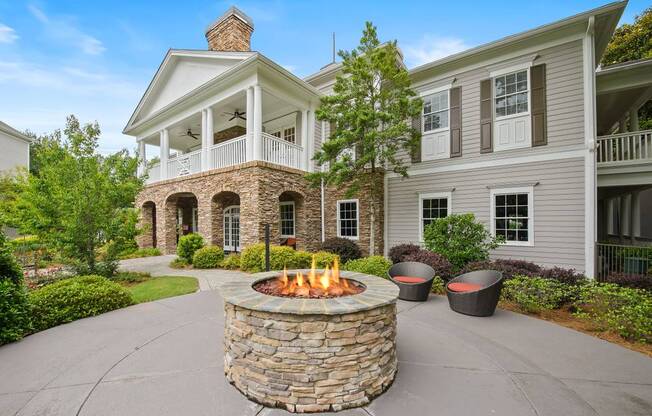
column 613, row 106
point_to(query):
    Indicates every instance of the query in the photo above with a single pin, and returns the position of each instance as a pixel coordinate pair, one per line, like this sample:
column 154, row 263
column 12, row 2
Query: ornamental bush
column 343, row 247
column 534, row 294
column 9, row 267
column 281, row 257
column 14, row 311
column 635, row 281
column 459, row 238
column 623, row 310
column 75, row 298
column 443, row 268
column 374, row 265
column 324, row 258
column 231, row 262
column 188, row 244
column 509, row 268
column 438, row 286
column 250, row 259
column 208, row 257
column 568, row 276
column 399, row 252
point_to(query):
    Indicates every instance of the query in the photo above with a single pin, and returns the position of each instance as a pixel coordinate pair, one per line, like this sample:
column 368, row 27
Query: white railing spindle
column 625, row 148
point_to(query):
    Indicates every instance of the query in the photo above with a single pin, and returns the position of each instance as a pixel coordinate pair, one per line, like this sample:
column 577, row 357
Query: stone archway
column 225, row 229
column 181, row 218
column 148, row 223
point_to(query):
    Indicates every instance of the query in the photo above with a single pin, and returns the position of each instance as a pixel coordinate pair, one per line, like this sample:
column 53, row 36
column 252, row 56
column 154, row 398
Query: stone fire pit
column 310, row 355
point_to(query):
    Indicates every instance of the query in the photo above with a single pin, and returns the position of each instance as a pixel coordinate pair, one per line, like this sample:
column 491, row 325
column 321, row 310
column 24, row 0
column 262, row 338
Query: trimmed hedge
column 253, row 258
column 231, row 262
column 374, row 265
column 75, row 298
column 250, row 258
column 208, row 257
column 324, row 258
column 343, row 247
column 534, row 294
column 443, row 268
column 398, row 253
column 188, row 244
column 14, row 311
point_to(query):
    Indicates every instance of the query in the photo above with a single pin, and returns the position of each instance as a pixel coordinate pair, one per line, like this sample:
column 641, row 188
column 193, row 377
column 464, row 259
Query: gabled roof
column 7, row 129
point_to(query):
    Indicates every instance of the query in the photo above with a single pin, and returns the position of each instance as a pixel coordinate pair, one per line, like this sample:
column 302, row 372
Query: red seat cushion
column 409, row 279
column 463, row 287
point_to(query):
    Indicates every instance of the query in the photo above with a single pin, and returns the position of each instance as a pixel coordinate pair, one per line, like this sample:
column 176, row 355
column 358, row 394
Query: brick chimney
column 231, row 32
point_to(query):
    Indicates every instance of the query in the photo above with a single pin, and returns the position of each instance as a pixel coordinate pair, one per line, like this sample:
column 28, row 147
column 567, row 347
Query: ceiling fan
column 189, row 133
column 236, row 114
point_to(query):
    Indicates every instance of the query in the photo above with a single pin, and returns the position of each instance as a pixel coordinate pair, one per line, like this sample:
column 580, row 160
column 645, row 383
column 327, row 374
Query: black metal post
column 267, row 247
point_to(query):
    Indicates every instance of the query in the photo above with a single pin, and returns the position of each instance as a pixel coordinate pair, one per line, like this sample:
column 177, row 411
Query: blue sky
column 94, row 59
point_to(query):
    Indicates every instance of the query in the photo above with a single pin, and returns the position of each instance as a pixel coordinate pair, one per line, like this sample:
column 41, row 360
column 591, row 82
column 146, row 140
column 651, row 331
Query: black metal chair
column 479, row 297
column 414, row 280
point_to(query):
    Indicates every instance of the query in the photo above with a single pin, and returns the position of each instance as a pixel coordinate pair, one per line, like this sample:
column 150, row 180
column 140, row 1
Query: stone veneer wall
column 228, row 134
column 310, row 363
column 364, row 206
column 232, row 34
column 258, row 185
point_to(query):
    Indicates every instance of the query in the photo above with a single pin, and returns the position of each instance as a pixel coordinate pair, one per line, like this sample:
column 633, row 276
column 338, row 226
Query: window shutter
column 456, row 121
column 538, row 94
column 486, row 118
column 416, row 153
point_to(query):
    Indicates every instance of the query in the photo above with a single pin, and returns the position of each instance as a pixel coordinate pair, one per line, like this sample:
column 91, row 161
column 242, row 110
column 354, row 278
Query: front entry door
column 232, row 228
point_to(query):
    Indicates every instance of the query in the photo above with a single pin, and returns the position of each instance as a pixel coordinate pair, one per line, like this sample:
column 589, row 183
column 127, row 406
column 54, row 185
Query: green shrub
column 208, row 257
column 187, row 246
column 131, row 277
column 374, row 265
column 438, row 286
column 343, row 247
column 302, row 260
column 14, row 311
column 106, row 268
column 283, row 257
column 141, row 252
column 459, row 238
column 250, row 259
column 534, row 294
column 231, row 262
column 323, row 259
column 179, row 263
column 9, row 267
column 623, row 310
column 76, row 298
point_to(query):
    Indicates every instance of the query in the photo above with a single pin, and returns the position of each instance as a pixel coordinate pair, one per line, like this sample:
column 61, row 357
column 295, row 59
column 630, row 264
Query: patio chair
column 475, row 293
column 414, row 280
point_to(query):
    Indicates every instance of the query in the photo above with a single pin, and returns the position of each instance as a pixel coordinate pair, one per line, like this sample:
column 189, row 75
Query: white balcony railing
column 185, row 164
column 281, row 152
column 154, row 173
column 229, row 153
column 625, row 148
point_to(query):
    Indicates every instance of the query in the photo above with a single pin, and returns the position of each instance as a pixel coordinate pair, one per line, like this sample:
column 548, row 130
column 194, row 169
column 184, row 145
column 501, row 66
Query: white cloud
column 7, row 34
column 431, row 48
column 64, row 29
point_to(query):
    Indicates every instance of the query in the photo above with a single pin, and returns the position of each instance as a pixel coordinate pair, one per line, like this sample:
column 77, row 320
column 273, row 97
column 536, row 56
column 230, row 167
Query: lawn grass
column 162, row 287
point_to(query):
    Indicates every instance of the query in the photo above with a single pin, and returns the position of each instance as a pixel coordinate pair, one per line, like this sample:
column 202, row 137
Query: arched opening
column 225, row 217
column 148, row 218
column 291, row 224
column 182, row 217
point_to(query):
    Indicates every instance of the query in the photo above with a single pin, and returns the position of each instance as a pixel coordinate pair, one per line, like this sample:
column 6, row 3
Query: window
column 512, row 215
column 435, row 111
column 511, row 94
column 289, row 134
column 347, row 219
column 431, row 207
column 276, row 134
column 287, row 219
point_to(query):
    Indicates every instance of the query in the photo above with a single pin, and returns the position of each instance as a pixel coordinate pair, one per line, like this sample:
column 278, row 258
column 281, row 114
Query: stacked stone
column 310, row 363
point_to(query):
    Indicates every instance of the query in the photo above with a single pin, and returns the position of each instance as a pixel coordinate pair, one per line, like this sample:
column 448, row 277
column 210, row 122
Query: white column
column 304, row 139
column 635, row 216
column 258, row 123
column 590, row 172
column 622, row 125
column 142, row 158
column 207, row 138
column 310, row 151
column 165, row 152
column 633, row 119
column 250, row 124
column 204, row 164
column 623, row 213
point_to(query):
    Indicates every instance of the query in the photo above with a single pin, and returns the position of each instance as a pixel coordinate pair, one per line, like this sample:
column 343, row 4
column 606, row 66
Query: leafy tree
column 76, row 201
column 631, row 42
column 370, row 111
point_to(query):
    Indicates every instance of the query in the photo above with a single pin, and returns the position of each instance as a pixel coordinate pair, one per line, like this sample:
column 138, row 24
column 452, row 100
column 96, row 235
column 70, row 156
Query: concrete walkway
column 165, row 358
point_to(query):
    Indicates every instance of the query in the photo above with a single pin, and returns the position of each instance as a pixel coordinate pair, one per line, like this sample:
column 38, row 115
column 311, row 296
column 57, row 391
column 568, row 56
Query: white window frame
column 280, row 130
column 433, row 195
column 509, row 71
column 530, row 212
column 427, row 94
column 357, row 219
column 294, row 219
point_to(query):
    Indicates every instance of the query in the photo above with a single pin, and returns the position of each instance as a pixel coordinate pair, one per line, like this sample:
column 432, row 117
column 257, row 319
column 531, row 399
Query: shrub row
column 252, row 258
column 512, row 268
column 208, row 257
column 411, row 252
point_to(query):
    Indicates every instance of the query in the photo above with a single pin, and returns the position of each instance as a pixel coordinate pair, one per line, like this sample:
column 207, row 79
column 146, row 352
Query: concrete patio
column 165, row 358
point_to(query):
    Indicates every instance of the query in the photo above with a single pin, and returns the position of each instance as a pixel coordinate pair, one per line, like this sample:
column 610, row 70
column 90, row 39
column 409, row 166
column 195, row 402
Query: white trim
column 357, row 219
column 435, row 90
column 231, row 247
column 493, row 94
column 515, row 65
column 433, row 195
column 530, row 212
column 493, row 163
column 590, row 173
column 294, row 220
column 448, row 110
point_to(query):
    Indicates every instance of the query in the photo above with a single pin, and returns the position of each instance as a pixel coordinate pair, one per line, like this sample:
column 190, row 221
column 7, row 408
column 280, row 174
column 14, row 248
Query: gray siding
column 564, row 96
column 558, row 206
column 14, row 153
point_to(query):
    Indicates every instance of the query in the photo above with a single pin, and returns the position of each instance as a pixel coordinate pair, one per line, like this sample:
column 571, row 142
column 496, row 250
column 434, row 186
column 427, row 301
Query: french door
column 232, row 228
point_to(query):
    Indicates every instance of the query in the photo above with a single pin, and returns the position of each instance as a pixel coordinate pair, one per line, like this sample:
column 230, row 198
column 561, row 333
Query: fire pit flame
column 313, row 284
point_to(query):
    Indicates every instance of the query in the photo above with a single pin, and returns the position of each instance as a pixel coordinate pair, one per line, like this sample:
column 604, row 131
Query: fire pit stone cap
column 378, row 292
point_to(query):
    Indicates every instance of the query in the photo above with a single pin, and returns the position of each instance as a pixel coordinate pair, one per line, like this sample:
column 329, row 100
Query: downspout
column 323, row 193
column 590, row 194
